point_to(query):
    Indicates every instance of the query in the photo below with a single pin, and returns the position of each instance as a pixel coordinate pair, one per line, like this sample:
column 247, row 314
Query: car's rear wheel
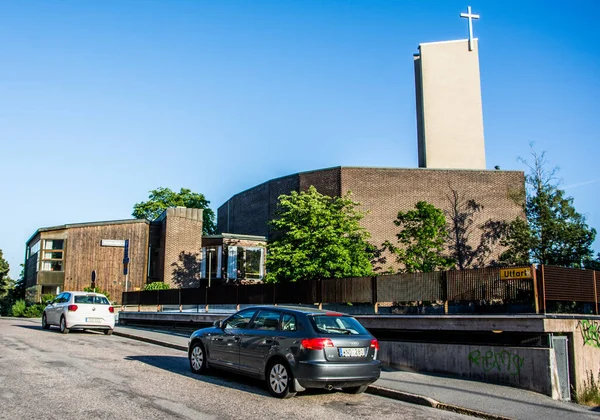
column 197, row 357
column 63, row 325
column 108, row 332
column 355, row 389
column 279, row 380
column 45, row 324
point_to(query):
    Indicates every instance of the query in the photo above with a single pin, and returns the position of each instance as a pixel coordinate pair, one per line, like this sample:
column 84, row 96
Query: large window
column 245, row 262
column 53, row 255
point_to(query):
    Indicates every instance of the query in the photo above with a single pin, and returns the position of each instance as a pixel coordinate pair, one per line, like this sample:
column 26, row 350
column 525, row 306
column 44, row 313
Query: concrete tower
column 449, row 110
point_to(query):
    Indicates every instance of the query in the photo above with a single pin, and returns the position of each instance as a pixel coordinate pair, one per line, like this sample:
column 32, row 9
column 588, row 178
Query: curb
column 373, row 389
column 402, row 396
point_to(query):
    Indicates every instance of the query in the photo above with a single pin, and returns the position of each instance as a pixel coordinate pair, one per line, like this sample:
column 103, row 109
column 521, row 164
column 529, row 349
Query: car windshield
column 92, row 299
column 337, row 324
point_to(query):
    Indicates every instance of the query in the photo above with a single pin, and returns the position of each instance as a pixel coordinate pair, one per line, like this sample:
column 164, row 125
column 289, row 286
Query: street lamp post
column 209, row 251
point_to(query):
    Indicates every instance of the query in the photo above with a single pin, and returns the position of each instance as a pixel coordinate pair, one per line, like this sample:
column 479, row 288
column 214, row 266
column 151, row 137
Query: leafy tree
column 555, row 233
column 317, row 237
column 5, row 280
column 422, row 237
column 592, row 264
column 163, row 198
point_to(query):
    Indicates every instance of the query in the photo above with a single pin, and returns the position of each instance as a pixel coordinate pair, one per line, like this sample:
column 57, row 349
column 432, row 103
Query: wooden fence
column 485, row 285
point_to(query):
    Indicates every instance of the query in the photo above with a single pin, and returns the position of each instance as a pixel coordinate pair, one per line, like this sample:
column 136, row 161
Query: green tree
column 592, row 264
column 554, row 233
column 317, row 237
column 422, row 237
column 5, row 280
column 163, row 198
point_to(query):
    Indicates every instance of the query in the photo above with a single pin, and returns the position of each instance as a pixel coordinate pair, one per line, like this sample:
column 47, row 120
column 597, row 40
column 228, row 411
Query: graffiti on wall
column 590, row 331
column 502, row 361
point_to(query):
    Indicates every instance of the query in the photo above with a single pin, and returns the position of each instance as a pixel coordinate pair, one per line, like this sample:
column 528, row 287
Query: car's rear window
column 337, row 324
column 92, row 299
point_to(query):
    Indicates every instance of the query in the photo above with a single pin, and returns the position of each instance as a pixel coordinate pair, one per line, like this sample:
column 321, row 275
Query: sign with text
column 515, row 273
column 112, row 242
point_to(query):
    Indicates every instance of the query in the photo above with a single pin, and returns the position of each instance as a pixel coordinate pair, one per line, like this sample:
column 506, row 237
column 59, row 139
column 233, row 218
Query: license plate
column 352, row 352
column 95, row 320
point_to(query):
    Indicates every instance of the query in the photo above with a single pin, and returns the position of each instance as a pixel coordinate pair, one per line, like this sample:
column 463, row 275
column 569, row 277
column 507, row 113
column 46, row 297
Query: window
column 241, row 319
column 267, row 320
column 337, row 324
column 98, row 300
column 211, row 259
column 52, row 255
column 245, row 262
column 288, row 323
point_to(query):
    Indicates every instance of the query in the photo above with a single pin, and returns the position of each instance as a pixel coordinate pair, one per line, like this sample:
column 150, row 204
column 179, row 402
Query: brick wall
column 182, row 235
column 382, row 192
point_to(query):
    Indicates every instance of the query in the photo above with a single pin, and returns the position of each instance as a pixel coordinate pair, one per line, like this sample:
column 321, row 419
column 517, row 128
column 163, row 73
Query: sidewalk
column 467, row 397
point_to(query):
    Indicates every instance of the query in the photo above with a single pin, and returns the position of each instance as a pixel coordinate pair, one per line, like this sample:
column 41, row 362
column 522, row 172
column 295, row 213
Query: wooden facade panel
column 84, row 254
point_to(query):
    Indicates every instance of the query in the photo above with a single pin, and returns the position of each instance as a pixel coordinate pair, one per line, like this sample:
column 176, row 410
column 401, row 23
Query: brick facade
column 382, row 193
column 182, row 236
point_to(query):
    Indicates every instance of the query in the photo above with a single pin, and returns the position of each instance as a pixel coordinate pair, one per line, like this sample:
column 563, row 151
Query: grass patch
column 590, row 394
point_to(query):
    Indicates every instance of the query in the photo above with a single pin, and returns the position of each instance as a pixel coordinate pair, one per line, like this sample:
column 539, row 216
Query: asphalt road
column 48, row 375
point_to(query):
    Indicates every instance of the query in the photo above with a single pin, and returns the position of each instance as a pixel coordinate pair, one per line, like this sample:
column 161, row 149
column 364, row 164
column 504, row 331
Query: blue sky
column 102, row 101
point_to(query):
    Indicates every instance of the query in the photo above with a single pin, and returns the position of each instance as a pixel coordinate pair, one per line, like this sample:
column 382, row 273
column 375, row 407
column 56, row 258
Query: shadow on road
column 56, row 330
column 181, row 366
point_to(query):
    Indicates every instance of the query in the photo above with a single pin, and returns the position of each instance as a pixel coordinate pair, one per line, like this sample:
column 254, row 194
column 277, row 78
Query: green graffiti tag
column 502, row 361
column 590, row 331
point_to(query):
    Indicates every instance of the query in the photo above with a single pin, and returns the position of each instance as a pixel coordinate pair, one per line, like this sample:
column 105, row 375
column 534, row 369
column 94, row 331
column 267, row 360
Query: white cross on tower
column 470, row 16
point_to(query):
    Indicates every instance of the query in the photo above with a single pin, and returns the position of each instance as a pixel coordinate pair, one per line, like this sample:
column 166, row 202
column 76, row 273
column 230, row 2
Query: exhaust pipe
column 328, row 387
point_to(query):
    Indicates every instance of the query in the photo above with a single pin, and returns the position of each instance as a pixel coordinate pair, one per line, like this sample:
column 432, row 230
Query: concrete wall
column 586, row 346
column 527, row 368
column 449, row 109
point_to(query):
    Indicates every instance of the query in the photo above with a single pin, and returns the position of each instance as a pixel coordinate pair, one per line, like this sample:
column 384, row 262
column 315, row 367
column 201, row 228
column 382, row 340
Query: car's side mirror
column 218, row 324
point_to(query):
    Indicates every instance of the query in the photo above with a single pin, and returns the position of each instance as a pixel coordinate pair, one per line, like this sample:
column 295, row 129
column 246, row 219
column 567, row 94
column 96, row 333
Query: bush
column 47, row 296
column 34, row 311
column 18, row 309
column 157, row 285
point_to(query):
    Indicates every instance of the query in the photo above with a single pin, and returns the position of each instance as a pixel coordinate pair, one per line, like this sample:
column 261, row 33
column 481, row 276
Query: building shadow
column 186, row 271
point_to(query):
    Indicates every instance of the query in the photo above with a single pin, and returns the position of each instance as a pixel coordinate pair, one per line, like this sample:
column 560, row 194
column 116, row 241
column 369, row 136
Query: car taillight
column 111, row 309
column 375, row 344
column 316, row 343
column 72, row 307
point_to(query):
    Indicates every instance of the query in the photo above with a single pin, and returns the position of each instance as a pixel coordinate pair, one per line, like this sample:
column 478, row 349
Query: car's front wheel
column 45, row 324
column 63, row 325
column 197, row 358
column 355, row 389
column 279, row 380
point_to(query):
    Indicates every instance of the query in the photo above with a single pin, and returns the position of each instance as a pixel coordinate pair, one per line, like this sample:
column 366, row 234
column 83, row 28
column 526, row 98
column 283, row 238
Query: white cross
column 470, row 16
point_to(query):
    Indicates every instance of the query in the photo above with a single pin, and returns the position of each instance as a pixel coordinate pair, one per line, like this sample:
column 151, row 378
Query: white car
column 80, row 311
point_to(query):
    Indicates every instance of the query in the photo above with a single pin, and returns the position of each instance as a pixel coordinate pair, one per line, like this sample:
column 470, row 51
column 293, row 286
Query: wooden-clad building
column 120, row 255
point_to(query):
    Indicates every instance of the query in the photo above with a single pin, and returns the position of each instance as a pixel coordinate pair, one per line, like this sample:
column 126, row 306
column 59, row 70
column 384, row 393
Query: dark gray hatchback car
column 290, row 348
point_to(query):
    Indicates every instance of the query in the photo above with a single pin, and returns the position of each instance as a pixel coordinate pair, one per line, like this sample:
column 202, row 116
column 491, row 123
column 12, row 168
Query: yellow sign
column 515, row 273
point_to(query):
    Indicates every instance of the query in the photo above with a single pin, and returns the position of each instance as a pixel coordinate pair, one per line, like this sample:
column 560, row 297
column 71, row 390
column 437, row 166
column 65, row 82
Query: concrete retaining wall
column 527, row 368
